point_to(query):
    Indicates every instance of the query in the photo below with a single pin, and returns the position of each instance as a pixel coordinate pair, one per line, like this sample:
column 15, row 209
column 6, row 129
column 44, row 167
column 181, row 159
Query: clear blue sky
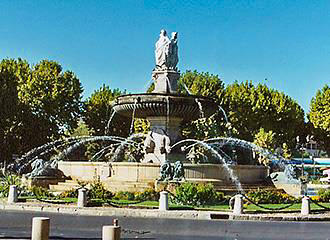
column 112, row 42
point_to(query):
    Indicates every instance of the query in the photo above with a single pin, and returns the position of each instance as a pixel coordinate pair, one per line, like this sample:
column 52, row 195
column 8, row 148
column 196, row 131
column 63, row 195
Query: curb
column 155, row 213
column 309, row 218
column 94, row 211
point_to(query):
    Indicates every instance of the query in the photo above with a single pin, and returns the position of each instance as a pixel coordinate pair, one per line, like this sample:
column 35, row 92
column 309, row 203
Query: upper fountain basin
column 157, row 104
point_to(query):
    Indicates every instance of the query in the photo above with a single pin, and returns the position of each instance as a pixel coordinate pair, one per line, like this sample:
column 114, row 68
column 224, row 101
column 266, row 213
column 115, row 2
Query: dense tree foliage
column 98, row 112
column 40, row 103
column 206, row 85
column 52, row 95
column 43, row 102
column 250, row 108
column 201, row 84
column 9, row 106
column 319, row 116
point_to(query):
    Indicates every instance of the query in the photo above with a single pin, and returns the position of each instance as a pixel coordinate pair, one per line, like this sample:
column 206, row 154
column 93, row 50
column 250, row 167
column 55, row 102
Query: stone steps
column 116, row 186
column 64, row 186
column 113, row 186
column 230, row 188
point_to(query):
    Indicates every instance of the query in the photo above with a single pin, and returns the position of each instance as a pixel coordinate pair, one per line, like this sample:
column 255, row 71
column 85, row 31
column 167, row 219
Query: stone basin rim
column 166, row 95
column 155, row 104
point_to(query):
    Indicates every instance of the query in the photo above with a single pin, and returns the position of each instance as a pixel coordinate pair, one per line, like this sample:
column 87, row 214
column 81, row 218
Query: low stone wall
column 41, row 181
column 244, row 173
column 148, row 172
column 85, row 171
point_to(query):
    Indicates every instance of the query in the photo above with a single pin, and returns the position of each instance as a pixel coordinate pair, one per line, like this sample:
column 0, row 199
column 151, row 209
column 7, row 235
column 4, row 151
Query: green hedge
column 271, row 196
column 197, row 194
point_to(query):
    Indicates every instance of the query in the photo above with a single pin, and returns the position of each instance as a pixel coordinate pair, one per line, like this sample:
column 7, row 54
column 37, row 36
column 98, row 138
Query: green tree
column 201, row 84
column 98, row 112
column 250, row 108
column 9, row 110
column 81, row 130
column 54, row 96
column 319, row 116
column 141, row 125
column 86, row 151
column 265, row 140
column 206, row 85
column 49, row 102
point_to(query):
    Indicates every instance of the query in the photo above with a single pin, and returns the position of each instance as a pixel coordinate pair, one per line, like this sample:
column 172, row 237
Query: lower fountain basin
column 157, row 104
column 128, row 176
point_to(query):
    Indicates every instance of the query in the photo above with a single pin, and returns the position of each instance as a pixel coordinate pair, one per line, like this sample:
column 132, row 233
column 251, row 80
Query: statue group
column 166, row 52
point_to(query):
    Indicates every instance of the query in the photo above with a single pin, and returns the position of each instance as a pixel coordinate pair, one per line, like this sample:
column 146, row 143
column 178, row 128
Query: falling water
column 200, row 107
column 133, row 114
column 147, row 86
column 223, row 161
column 100, row 153
column 76, row 145
column 167, row 114
column 46, row 147
column 196, row 100
column 107, row 129
column 279, row 160
column 186, row 88
column 127, row 141
column 224, row 114
column 70, row 144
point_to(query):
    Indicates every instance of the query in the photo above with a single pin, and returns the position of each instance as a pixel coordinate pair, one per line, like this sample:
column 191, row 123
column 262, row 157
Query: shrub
column 40, row 192
column 324, row 195
column 147, row 195
column 197, row 194
column 124, row 195
column 269, row 196
column 315, row 198
column 6, row 181
column 72, row 193
column 97, row 190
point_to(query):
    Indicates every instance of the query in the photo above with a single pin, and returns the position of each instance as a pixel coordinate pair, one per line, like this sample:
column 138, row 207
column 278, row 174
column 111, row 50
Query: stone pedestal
column 12, row 196
column 40, row 228
column 82, row 197
column 238, row 205
column 166, row 81
column 169, row 126
column 111, row 233
column 164, row 132
column 163, row 201
column 305, row 206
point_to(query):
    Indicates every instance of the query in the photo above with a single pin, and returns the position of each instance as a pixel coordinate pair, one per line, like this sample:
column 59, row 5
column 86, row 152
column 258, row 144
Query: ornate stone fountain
column 164, row 108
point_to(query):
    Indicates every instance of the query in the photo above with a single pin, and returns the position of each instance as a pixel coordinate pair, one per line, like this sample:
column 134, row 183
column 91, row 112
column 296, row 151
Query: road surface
column 17, row 225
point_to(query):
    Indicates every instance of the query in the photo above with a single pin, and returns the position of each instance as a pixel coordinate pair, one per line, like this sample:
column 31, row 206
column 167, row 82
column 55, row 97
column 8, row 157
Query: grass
column 225, row 207
column 154, row 204
column 294, row 207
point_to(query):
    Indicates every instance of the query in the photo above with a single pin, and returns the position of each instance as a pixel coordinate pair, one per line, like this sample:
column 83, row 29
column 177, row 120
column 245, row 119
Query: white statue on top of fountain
column 165, row 74
column 166, row 51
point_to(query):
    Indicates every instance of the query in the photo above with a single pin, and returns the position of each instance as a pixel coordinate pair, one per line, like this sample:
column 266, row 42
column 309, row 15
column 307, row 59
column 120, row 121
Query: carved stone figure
column 166, row 51
column 157, row 141
column 162, row 50
column 149, row 143
column 178, row 173
column 42, row 168
column 166, row 172
column 173, row 54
